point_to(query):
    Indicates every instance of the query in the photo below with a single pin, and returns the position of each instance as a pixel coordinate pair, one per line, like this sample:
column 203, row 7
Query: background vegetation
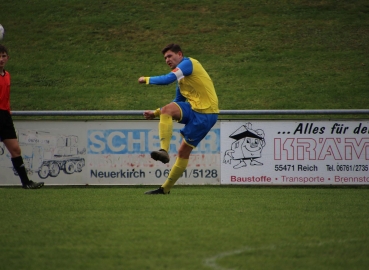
column 88, row 55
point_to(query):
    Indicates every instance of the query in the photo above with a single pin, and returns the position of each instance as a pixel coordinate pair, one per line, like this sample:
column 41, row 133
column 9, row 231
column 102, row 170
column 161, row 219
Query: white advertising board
column 256, row 152
column 295, row 152
column 105, row 153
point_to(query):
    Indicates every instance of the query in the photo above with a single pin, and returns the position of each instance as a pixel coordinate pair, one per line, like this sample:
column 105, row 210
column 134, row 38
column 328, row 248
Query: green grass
column 203, row 227
column 88, row 55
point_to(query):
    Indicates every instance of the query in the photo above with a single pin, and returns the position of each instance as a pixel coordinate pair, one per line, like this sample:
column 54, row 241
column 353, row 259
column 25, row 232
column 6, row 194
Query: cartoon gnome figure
column 248, row 145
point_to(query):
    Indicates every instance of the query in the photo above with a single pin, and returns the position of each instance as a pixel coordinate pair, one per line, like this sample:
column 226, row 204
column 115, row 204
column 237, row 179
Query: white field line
column 212, row 261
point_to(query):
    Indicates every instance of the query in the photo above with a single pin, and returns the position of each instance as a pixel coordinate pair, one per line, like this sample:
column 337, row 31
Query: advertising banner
column 105, row 153
column 295, row 152
column 260, row 152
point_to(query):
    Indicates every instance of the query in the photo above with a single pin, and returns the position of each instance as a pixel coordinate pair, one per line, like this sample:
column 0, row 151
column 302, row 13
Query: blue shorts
column 197, row 125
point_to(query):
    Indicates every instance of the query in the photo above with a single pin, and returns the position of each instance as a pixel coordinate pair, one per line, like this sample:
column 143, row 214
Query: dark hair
column 3, row 49
column 172, row 47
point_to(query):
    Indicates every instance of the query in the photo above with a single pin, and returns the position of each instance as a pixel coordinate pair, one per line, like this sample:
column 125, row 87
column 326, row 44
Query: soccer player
column 195, row 105
column 7, row 131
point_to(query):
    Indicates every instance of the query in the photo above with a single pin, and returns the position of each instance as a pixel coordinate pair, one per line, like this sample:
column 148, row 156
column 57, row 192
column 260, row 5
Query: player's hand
column 142, row 80
column 149, row 115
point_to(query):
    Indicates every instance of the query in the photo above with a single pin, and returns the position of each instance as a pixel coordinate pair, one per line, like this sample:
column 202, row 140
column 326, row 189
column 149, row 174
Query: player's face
column 173, row 59
column 3, row 59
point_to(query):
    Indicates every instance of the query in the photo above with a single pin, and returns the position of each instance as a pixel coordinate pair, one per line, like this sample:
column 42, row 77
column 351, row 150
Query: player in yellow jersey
column 195, row 106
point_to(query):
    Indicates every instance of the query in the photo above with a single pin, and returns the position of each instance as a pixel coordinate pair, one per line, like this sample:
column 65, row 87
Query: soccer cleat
column 156, row 191
column 33, row 185
column 161, row 155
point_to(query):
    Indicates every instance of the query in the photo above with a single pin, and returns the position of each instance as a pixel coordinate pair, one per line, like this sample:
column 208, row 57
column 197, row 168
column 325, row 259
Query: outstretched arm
column 159, row 80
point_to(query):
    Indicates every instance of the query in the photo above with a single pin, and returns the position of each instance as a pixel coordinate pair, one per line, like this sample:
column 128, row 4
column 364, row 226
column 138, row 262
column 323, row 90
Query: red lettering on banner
column 351, row 179
column 257, row 179
column 321, row 148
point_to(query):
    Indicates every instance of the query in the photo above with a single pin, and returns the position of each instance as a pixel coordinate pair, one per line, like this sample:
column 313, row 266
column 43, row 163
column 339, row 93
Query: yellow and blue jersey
column 193, row 84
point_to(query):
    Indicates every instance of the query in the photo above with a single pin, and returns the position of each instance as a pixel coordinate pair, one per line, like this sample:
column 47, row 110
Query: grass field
column 203, row 227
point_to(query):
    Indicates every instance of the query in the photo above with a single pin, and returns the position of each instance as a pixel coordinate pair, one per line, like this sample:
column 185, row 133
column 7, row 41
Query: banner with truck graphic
column 105, row 153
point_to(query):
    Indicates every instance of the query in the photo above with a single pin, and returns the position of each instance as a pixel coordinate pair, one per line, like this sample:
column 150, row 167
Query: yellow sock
column 175, row 173
column 165, row 131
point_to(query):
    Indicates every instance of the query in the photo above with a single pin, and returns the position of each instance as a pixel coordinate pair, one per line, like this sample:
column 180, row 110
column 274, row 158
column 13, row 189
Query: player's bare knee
column 173, row 110
column 166, row 110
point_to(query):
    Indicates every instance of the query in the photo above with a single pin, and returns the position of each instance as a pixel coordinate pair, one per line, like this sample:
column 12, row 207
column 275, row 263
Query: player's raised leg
column 167, row 114
column 165, row 134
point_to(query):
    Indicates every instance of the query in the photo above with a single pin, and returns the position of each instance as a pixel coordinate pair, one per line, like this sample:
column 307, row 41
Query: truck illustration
column 47, row 154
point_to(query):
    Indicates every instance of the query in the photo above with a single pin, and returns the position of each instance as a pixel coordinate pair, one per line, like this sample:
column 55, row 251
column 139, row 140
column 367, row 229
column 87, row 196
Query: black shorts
column 7, row 130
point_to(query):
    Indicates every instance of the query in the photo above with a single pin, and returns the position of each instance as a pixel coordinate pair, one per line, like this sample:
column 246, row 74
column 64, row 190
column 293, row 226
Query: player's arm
column 184, row 68
column 159, row 80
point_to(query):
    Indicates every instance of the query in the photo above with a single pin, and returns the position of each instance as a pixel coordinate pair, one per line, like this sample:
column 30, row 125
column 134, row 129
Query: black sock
column 21, row 169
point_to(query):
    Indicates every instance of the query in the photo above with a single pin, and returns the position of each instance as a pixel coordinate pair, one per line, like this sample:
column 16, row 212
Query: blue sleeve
column 179, row 97
column 186, row 66
column 163, row 79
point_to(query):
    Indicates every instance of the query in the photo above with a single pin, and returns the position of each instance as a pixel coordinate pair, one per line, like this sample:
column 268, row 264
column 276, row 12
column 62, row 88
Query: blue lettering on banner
column 143, row 141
